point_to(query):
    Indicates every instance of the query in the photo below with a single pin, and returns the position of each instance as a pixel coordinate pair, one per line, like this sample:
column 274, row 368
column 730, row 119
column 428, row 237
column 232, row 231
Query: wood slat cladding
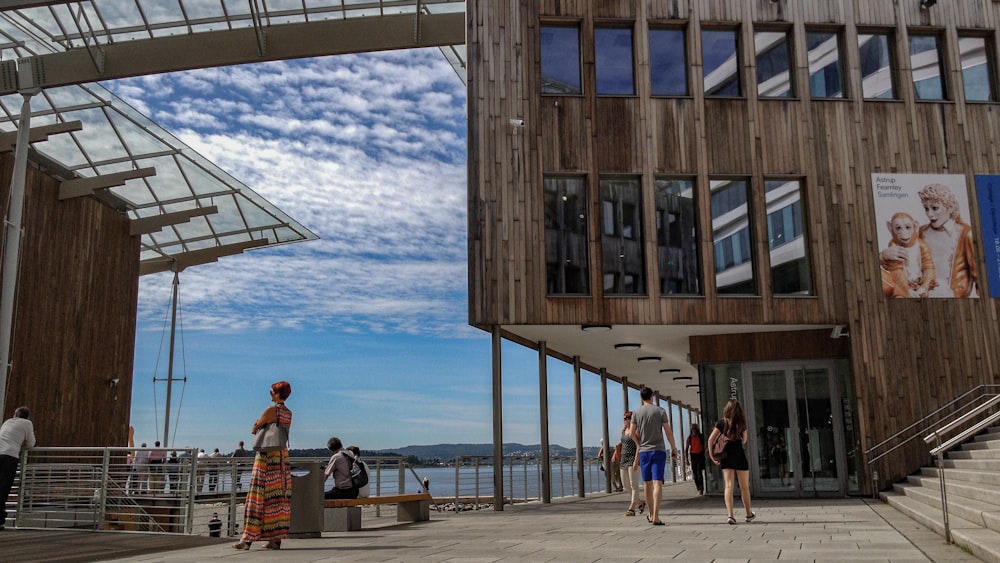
column 75, row 316
column 907, row 356
column 768, row 346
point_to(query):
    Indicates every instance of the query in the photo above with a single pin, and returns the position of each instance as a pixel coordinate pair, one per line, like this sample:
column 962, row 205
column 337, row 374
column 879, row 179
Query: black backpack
column 359, row 477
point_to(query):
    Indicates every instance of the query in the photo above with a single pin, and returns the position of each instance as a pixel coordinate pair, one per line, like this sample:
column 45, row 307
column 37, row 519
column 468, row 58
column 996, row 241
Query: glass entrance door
column 796, row 442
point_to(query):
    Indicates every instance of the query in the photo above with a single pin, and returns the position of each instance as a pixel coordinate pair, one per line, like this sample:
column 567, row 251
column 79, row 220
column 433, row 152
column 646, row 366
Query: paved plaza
column 568, row 530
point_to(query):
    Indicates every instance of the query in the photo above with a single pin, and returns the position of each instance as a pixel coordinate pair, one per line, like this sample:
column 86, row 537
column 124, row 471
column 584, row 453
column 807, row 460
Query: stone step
column 973, row 464
column 983, row 453
column 980, row 510
column 981, row 542
column 983, row 442
column 991, row 478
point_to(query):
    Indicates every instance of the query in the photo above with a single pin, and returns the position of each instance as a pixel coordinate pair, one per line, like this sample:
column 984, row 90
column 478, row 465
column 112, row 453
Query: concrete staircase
column 972, row 478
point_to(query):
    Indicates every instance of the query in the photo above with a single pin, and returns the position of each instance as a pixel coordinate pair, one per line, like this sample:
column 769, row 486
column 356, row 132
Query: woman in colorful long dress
column 268, row 511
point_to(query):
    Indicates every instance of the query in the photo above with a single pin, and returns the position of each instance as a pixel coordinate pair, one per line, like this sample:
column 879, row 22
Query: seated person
column 340, row 468
column 363, row 492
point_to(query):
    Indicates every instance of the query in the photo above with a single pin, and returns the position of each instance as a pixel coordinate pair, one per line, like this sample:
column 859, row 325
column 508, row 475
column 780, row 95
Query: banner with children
column 926, row 244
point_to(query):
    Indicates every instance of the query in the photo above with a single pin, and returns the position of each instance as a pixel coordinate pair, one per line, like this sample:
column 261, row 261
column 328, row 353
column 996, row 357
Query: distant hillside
column 447, row 452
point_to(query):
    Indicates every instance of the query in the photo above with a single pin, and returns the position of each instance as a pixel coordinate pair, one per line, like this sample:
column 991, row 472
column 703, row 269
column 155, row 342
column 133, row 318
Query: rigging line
column 156, row 369
column 180, row 327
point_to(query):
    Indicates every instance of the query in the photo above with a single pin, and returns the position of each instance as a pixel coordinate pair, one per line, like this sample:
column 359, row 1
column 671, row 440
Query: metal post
column 497, row 422
column 578, row 400
column 944, row 492
column 12, row 244
column 170, row 358
column 608, row 448
column 545, row 470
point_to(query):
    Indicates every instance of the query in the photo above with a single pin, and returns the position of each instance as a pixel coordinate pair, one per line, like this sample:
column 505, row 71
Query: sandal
column 630, row 512
column 658, row 523
column 642, row 506
column 241, row 545
column 732, row 521
column 273, row 545
column 751, row 516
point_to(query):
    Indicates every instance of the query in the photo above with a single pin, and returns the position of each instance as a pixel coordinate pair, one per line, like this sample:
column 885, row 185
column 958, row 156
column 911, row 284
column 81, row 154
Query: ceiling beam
column 240, row 46
column 147, row 225
column 80, row 187
column 190, row 258
column 38, row 134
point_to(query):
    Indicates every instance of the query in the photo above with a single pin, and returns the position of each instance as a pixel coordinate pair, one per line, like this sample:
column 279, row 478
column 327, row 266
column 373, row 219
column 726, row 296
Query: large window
column 787, row 243
column 566, row 264
column 825, row 75
column 977, row 69
column 561, row 60
column 925, row 60
column 734, row 270
column 774, row 63
column 621, row 236
column 613, row 61
column 878, row 72
column 720, row 61
column 667, row 62
column 677, row 237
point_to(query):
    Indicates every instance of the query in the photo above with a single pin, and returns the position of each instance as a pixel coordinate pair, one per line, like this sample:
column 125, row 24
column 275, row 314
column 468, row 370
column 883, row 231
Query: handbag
column 617, row 456
column 720, row 445
column 272, row 437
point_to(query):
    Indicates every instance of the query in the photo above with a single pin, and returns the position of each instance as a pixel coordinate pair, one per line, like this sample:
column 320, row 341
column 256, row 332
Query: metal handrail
column 924, row 424
column 967, row 419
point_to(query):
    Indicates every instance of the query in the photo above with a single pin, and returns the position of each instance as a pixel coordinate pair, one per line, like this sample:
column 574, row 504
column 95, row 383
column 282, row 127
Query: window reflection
column 613, row 61
column 823, row 52
column 560, row 60
column 677, row 237
column 878, row 73
column 621, row 237
column 667, row 62
column 566, row 263
column 773, row 64
column 734, row 271
column 789, row 252
column 720, row 63
column 976, row 69
column 925, row 61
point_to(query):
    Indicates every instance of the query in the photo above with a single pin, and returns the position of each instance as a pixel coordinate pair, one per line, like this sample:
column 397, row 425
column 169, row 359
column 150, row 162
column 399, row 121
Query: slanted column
column 497, row 422
column 608, row 448
column 624, row 394
column 578, row 399
column 543, row 416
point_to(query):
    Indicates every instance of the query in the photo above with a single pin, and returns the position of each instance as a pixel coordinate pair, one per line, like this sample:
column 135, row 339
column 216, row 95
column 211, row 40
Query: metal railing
column 100, row 489
column 961, row 418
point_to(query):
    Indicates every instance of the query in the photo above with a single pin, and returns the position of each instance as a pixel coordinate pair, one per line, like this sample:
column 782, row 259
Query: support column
column 578, row 399
column 12, row 246
column 608, row 448
column 672, row 460
column 625, row 394
column 497, row 422
column 683, row 443
column 543, row 418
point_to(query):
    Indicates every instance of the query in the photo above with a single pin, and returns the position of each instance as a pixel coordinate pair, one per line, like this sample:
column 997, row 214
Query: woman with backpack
column 694, row 450
column 731, row 431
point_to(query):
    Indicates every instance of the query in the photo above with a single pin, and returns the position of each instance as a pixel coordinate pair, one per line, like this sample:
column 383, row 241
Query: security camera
column 517, row 122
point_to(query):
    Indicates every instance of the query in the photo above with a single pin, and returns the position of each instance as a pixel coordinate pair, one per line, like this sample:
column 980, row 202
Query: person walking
column 268, row 511
column 735, row 465
column 649, row 423
column 631, row 482
column 694, row 450
column 16, row 432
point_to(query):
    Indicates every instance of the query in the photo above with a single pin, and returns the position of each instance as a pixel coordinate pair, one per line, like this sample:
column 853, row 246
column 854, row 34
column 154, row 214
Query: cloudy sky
column 369, row 323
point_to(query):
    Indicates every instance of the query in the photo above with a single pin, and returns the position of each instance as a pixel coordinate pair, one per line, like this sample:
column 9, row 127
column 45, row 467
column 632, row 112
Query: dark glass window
column 566, row 263
column 621, row 237
column 734, row 270
column 561, row 60
column 774, row 64
column 677, row 237
column 977, row 69
column 667, row 62
column 823, row 52
column 613, row 61
column 721, row 63
column 925, row 60
column 791, row 272
column 878, row 72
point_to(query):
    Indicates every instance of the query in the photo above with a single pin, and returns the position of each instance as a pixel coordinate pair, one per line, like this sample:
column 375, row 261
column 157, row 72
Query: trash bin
column 307, row 500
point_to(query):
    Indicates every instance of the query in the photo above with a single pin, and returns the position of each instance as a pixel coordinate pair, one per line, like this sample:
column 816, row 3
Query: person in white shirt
column 15, row 433
column 363, row 492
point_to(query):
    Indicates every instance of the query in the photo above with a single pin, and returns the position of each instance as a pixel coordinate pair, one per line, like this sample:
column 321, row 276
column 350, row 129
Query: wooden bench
column 344, row 515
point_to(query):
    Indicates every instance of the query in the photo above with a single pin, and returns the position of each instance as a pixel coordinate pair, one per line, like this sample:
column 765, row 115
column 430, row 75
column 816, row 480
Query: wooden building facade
column 74, row 320
column 766, row 123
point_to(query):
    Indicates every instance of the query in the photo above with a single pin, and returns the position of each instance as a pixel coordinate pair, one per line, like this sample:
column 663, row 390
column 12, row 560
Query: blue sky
column 369, row 323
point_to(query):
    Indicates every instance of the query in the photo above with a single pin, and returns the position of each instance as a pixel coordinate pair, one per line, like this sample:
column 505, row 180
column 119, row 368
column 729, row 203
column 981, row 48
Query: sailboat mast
column 170, row 360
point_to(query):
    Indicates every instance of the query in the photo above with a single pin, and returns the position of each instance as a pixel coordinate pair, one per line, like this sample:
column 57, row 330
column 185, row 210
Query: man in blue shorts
column 649, row 423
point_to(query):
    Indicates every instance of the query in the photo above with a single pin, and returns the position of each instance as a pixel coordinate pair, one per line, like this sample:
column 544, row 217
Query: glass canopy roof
column 117, row 138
